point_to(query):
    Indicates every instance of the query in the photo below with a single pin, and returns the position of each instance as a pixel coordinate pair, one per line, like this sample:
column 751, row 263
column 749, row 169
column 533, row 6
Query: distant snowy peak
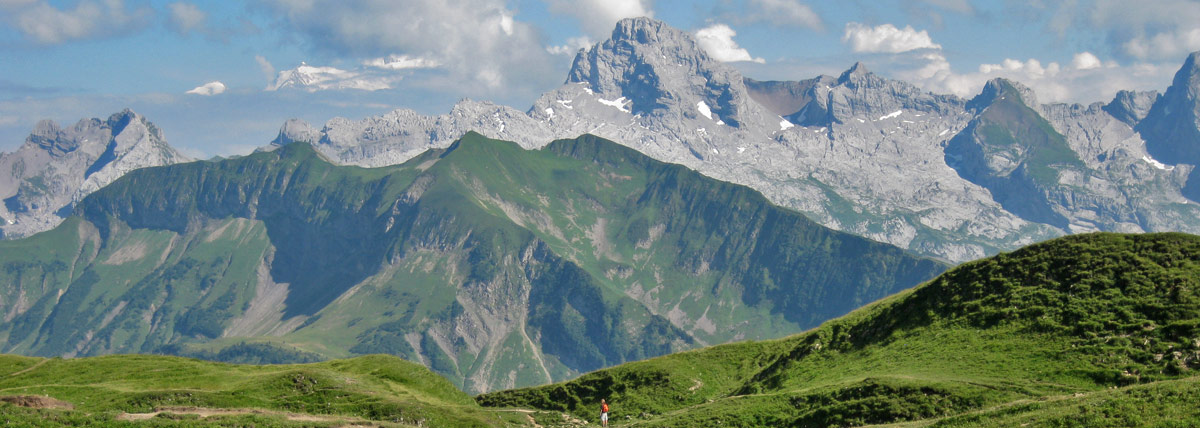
column 310, row 78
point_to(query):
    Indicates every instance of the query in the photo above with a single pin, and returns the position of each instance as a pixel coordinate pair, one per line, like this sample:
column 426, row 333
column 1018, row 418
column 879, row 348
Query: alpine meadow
column 541, row 213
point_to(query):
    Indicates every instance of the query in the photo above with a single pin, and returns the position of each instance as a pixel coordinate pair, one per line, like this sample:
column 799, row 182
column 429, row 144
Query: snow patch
column 704, row 110
column 741, row 149
column 860, row 120
column 701, row 131
column 550, row 112
column 1157, row 164
column 715, row 151
column 618, row 103
column 784, row 124
column 944, row 131
column 896, row 113
column 907, row 121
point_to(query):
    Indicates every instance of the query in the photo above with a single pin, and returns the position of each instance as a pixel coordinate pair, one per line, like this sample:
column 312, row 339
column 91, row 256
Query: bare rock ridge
column 858, row 152
column 56, row 167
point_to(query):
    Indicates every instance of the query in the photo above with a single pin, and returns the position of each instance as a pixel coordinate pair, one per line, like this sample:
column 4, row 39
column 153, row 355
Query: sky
column 212, row 74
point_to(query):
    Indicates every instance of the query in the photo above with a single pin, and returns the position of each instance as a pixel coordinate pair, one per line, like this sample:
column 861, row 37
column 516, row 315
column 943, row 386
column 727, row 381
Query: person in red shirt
column 603, row 412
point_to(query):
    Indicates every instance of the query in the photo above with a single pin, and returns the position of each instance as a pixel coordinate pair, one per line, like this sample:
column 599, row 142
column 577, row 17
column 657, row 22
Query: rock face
column 1131, row 107
column 857, row 152
column 42, row 180
column 495, row 266
column 1172, row 127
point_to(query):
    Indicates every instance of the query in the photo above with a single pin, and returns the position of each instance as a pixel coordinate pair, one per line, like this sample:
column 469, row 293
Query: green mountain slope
column 1040, row 334
column 493, row 265
column 375, row 390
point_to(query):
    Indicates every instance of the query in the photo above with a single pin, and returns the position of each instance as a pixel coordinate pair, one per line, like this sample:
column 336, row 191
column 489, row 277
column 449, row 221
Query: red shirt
column 604, row 407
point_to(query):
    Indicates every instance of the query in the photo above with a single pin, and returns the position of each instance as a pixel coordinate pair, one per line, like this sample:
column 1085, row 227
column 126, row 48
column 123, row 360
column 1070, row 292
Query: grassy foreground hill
column 138, row 390
column 1087, row 330
column 493, row 265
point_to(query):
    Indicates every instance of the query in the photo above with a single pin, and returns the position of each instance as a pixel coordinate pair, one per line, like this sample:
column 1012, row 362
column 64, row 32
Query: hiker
column 603, row 412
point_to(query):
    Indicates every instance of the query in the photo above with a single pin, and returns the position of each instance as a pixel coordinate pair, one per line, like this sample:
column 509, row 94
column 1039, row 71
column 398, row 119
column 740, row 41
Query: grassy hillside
column 1098, row 328
column 114, row 390
column 493, row 265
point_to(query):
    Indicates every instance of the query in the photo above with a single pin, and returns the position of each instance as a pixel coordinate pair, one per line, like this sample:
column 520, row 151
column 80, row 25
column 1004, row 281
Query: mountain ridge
column 494, row 265
column 857, row 152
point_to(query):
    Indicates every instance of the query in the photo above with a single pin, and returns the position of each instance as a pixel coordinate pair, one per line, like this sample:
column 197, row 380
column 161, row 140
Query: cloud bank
column 208, row 89
column 43, row 23
column 717, row 40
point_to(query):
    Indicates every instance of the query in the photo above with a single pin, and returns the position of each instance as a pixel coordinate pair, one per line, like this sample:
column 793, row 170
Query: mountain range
column 947, row 177
column 494, row 265
column 881, row 158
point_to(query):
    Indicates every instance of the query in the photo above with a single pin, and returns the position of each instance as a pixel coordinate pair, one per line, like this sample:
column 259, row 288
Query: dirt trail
column 30, row 368
column 36, row 402
column 207, row 412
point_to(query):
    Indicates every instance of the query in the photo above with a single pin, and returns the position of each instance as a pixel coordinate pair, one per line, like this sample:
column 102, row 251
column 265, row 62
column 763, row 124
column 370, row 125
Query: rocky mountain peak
column 1131, row 106
column 47, row 135
column 1002, row 89
column 657, row 69
column 296, row 130
column 643, row 30
column 857, row 72
column 40, row 190
column 1172, row 126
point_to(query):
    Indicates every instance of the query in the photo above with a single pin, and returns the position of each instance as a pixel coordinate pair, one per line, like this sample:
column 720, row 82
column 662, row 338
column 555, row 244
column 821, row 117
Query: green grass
column 1088, row 314
column 377, row 389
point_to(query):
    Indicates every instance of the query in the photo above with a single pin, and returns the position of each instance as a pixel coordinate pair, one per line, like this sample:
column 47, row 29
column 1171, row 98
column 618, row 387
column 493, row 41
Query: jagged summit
column 1172, row 127
column 1131, row 107
column 855, row 72
column 56, row 167
column 295, row 130
column 644, row 30
column 656, row 67
column 999, row 89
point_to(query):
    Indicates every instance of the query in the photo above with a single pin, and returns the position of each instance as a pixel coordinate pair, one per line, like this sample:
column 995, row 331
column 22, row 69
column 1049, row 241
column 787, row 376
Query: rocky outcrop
column 43, row 179
column 1130, row 107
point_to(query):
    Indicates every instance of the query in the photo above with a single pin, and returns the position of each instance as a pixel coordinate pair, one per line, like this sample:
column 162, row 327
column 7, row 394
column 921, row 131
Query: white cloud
column 185, row 17
column 43, row 23
column 1087, row 79
column 1167, row 44
column 598, row 17
column 1154, row 30
column 265, row 66
column 717, row 40
column 478, row 43
column 1085, row 61
column 400, row 62
column 784, row 13
column 573, row 45
column 886, row 38
column 207, row 89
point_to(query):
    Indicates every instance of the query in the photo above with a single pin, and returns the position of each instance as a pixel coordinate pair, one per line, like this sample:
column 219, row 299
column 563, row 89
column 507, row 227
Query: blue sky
column 66, row 60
